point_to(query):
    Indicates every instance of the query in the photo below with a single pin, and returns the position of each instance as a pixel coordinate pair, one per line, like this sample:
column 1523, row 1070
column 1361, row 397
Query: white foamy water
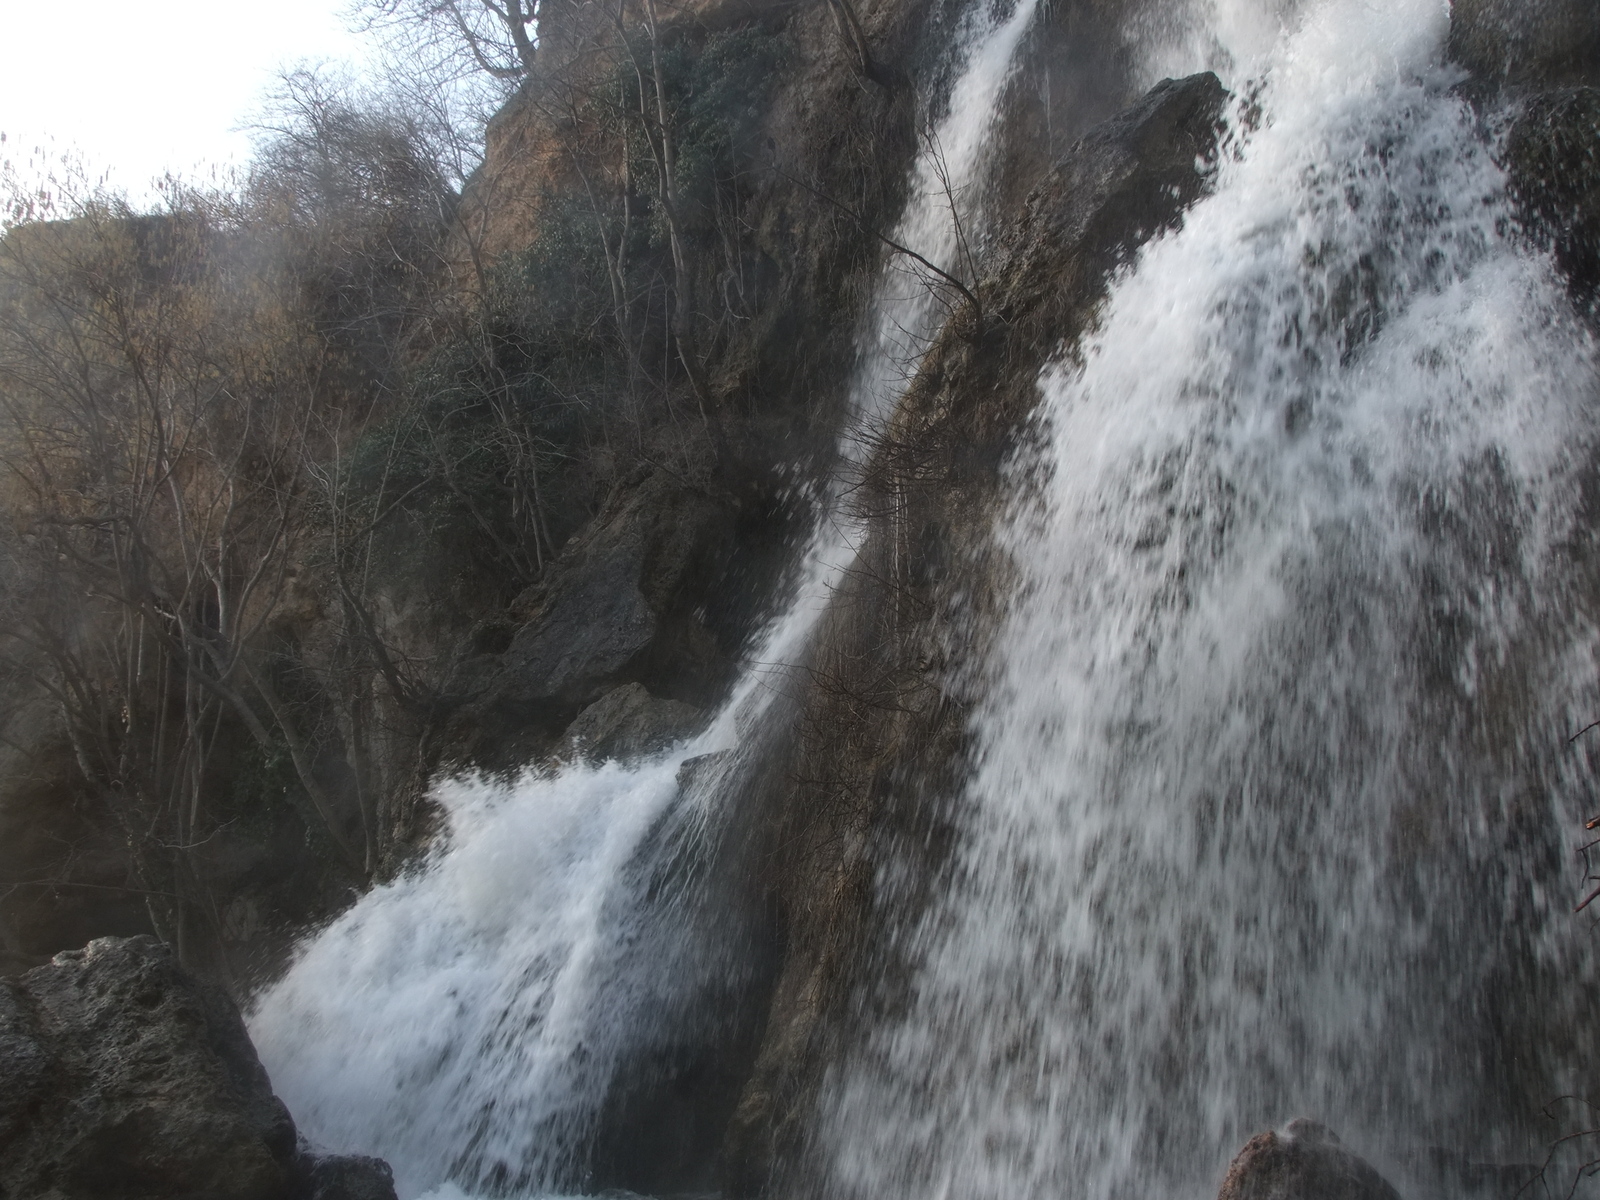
column 944, row 220
column 1273, row 807
column 467, row 1021
column 413, row 1027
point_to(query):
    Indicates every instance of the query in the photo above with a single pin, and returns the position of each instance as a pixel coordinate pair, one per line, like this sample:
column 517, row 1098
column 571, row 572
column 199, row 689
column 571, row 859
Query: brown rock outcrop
column 1306, row 1161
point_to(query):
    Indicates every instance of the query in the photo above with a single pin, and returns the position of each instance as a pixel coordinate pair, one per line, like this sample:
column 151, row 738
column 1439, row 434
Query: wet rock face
column 123, row 1076
column 1129, row 178
column 1553, row 159
column 1304, row 1162
column 343, row 1177
column 1126, row 180
column 1538, row 42
column 136, row 1081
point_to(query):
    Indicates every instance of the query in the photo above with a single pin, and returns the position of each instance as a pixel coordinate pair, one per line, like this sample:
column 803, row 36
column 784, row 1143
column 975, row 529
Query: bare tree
column 850, row 29
column 496, row 37
column 157, row 389
column 658, row 123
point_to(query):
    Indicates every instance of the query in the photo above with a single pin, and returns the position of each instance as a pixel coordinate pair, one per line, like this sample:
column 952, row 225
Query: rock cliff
column 570, row 487
column 883, row 720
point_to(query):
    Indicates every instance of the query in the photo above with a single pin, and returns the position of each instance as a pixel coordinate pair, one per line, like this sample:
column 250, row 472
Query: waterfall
column 467, row 1021
column 1273, row 809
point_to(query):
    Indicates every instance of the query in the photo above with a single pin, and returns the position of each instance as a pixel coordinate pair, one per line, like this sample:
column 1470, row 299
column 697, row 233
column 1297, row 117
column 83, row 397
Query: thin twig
column 886, row 239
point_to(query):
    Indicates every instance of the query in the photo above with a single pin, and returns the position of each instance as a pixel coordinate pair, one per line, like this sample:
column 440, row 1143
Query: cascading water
column 468, row 1021
column 1272, row 807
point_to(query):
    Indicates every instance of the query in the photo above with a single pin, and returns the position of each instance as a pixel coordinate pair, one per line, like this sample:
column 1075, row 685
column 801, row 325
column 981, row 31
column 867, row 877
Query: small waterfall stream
column 467, row 1021
column 1273, row 810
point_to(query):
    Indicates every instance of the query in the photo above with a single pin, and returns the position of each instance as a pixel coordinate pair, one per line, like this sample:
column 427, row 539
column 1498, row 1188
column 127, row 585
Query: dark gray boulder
column 1539, row 42
column 589, row 634
column 343, row 1177
column 1306, row 1161
column 122, row 1075
column 622, row 605
column 627, row 723
column 127, row 1077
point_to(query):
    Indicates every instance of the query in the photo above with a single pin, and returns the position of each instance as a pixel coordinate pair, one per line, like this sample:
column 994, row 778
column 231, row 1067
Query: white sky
column 140, row 87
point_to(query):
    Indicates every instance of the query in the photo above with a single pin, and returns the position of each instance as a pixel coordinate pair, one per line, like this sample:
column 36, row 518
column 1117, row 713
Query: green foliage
column 555, row 294
column 721, row 93
column 718, row 92
column 491, row 413
column 263, row 791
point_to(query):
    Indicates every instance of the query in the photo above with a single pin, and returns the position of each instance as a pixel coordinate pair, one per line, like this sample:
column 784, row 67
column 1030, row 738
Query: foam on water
column 412, row 1026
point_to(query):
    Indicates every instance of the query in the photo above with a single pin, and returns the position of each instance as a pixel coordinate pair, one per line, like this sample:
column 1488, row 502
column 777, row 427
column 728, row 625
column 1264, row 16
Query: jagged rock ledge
column 124, row 1075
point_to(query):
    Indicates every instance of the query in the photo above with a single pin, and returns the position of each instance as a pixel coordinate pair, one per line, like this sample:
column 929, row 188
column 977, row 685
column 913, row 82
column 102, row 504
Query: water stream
column 1273, row 811
column 467, row 1022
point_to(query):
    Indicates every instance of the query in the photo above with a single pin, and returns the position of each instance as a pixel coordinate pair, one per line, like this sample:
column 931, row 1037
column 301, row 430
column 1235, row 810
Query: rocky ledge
column 125, row 1076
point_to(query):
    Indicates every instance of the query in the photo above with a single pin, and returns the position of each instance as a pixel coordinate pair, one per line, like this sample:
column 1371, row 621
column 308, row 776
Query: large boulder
column 624, row 603
column 121, row 1075
column 588, row 634
column 1539, row 42
column 135, row 1080
column 628, row 723
column 342, row 1177
column 1306, row 1161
